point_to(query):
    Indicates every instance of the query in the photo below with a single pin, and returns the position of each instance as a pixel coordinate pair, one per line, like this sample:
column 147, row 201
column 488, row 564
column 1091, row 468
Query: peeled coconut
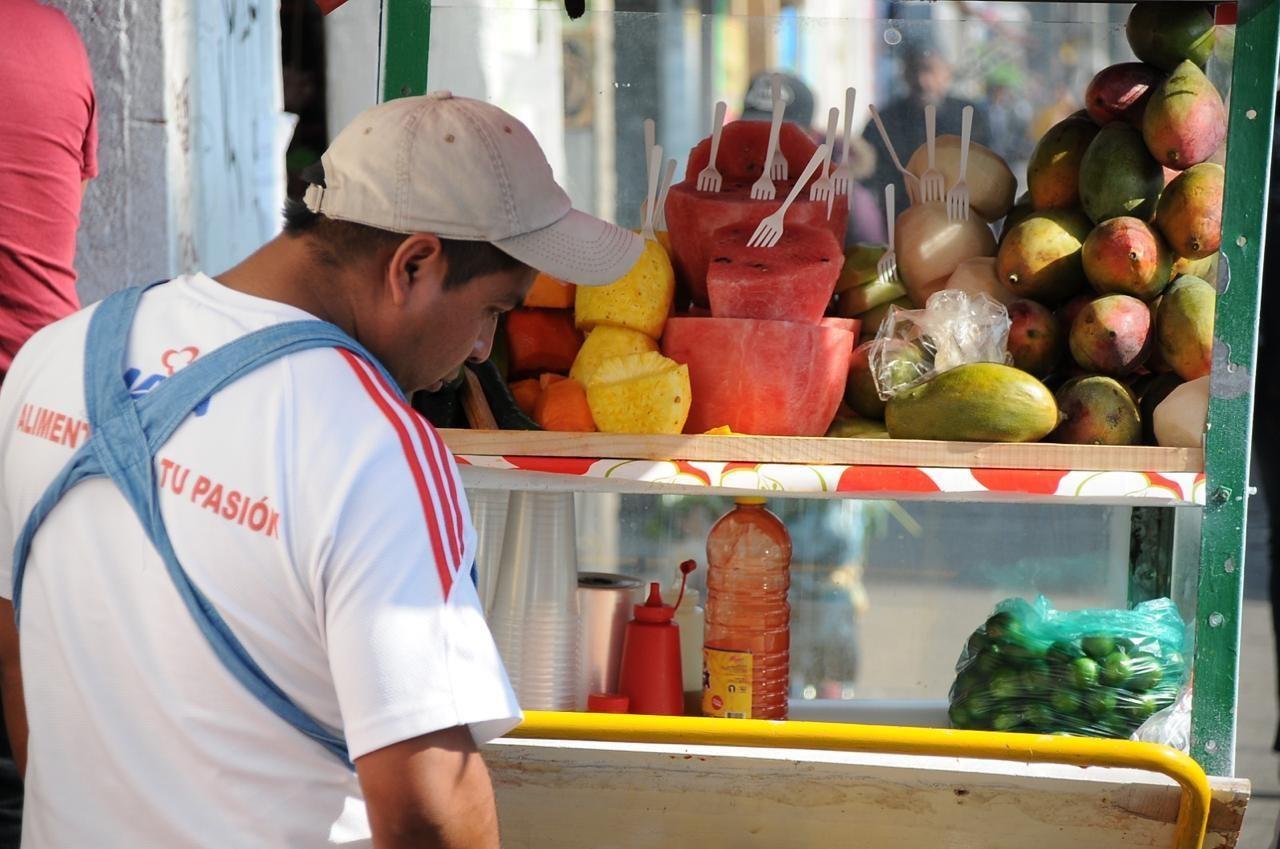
column 929, row 247
column 991, row 183
column 1180, row 418
column 978, row 275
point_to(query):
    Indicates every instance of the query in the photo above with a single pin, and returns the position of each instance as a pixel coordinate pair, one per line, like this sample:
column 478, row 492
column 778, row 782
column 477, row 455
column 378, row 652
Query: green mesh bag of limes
column 1096, row 673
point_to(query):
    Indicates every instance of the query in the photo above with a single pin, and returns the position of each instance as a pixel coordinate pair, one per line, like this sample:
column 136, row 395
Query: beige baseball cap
column 465, row 169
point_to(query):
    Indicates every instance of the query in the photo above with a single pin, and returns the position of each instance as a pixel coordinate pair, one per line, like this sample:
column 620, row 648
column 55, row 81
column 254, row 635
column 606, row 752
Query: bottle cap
column 749, row 499
column 608, row 703
column 653, row 610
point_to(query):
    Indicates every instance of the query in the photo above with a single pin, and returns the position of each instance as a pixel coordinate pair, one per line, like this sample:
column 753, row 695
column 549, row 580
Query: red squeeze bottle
column 650, row 673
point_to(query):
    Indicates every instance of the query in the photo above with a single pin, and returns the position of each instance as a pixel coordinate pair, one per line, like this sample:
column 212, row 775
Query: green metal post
column 1220, row 595
column 407, row 39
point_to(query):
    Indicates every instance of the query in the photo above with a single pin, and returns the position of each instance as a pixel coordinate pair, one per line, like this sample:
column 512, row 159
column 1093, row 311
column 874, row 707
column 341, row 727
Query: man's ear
column 419, row 260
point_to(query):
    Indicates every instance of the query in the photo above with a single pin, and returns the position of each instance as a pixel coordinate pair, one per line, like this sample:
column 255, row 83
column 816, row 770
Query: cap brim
column 578, row 248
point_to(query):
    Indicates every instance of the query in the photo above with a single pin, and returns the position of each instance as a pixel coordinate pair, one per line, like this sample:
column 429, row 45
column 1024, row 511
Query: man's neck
column 286, row 271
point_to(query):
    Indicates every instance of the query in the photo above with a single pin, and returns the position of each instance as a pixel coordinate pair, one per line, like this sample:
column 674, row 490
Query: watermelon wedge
column 771, row 378
column 791, row 281
column 693, row 216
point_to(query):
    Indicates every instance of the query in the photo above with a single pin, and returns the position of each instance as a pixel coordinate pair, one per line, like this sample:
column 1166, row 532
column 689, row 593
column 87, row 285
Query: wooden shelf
column 829, row 468
column 821, row 451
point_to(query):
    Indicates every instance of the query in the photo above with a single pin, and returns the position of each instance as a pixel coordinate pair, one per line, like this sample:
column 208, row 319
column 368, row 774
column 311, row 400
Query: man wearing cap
column 238, row 559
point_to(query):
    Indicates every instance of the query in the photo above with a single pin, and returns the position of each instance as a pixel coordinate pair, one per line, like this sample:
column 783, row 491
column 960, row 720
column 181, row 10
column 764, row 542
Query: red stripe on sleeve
column 433, row 449
column 443, row 567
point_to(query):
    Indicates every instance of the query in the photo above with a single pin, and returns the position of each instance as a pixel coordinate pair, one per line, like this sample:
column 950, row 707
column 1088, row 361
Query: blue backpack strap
column 125, row 436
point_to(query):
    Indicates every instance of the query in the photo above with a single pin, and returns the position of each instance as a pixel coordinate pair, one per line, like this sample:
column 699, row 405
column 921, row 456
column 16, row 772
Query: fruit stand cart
column 565, row 779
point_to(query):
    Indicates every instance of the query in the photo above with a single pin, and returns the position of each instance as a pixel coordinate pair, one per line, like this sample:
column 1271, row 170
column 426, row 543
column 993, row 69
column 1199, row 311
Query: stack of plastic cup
column 534, row 614
column 489, row 516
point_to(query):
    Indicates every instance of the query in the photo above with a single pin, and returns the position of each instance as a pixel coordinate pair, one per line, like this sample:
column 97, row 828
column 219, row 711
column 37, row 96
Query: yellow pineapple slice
column 640, row 393
column 603, row 343
column 640, row 300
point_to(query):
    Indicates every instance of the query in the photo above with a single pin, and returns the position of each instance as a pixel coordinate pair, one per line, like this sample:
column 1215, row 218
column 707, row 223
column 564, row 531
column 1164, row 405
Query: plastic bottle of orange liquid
column 746, row 656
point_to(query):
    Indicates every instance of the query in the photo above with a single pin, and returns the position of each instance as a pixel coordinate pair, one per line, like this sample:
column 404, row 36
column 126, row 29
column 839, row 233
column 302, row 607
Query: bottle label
column 726, row 686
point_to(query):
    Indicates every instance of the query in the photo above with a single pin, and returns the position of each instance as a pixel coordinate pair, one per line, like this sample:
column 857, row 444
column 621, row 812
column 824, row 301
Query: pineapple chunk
column 605, row 342
column 640, row 301
column 640, row 393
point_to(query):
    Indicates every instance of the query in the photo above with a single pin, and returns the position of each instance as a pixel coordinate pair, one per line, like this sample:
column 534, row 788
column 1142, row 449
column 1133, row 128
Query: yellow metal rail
column 1193, row 808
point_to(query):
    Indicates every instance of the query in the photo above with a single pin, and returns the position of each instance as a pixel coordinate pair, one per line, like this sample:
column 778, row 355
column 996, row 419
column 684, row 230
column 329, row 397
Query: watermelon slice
column 742, row 149
column 791, row 281
column 693, row 216
column 773, row 378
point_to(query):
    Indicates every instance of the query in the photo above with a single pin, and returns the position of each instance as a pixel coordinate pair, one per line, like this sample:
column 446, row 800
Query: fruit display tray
column 857, row 468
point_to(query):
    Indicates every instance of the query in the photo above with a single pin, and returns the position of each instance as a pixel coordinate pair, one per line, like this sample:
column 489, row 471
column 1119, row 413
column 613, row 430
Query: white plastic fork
column 763, row 189
column 650, row 200
column 777, row 162
column 709, row 179
column 958, row 197
column 842, row 179
column 933, row 185
column 664, row 186
column 769, row 233
column 822, row 188
column 887, row 267
column 909, row 180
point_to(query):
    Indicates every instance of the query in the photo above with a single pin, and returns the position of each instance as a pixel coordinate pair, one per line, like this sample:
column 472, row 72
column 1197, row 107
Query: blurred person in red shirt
column 48, row 152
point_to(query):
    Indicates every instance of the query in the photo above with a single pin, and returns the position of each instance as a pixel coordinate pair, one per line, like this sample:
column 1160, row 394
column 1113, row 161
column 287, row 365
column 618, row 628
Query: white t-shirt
column 326, row 523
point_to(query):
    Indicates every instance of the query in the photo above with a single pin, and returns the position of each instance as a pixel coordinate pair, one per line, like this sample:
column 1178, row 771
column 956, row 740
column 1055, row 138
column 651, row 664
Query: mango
column 1040, row 258
column 859, row 269
column 1165, row 34
column 1205, row 268
column 849, row 427
column 1185, row 322
column 1097, row 410
column 1112, row 335
column 1121, row 92
column 976, row 402
column 852, row 303
column 1053, row 172
column 1118, row 175
column 873, row 318
column 929, row 246
column 1185, row 121
column 1125, row 256
column 1150, row 396
column 902, row 361
column 1066, row 314
column 1035, row 339
column 991, row 182
column 640, row 300
column 1190, row 211
column 1021, row 209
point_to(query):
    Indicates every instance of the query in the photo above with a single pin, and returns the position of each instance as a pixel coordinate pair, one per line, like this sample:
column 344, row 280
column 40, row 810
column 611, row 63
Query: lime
column 1024, row 652
column 1100, row 703
column 1006, row 721
column 978, row 642
column 1084, row 673
column 960, row 716
column 1003, row 626
column 1006, row 684
column 1098, row 646
column 1144, row 673
column 1035, row 678
column 1041, row 717
column 1064, row 652
column 989, row 662
column 1175, row 662
column 1066, row 702
column 1139, row 708
column 1116, row 670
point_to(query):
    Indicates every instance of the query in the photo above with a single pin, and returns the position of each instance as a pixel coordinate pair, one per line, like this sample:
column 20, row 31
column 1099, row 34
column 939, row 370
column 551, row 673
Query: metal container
column 604, row 604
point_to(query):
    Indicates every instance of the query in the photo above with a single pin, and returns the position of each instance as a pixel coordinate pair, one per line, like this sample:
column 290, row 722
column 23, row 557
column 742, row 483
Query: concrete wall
column 124, row 230
column 191, row 137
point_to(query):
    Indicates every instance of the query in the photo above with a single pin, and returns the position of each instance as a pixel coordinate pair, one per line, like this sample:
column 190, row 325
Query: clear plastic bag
column 1096, row 673
column 954, row 328
column 1170, row 726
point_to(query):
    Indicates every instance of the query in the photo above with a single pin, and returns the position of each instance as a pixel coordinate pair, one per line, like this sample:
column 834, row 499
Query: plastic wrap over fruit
column 1170, row 726
column 1094, row 673
column 954, row 328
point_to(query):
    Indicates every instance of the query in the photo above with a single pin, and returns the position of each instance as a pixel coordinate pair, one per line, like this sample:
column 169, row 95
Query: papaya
column 1185, row 121
column 550, row 293
column 1189, row 213
column 975, row 402
column 1097, row 410
column 562, row 405
column 1185, row 326
column 1165, row 34
column 852, row 427
column 1053, row 172
column 1119, row 176
column 1040, row 258
column 540, row 340
column 526, row 393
